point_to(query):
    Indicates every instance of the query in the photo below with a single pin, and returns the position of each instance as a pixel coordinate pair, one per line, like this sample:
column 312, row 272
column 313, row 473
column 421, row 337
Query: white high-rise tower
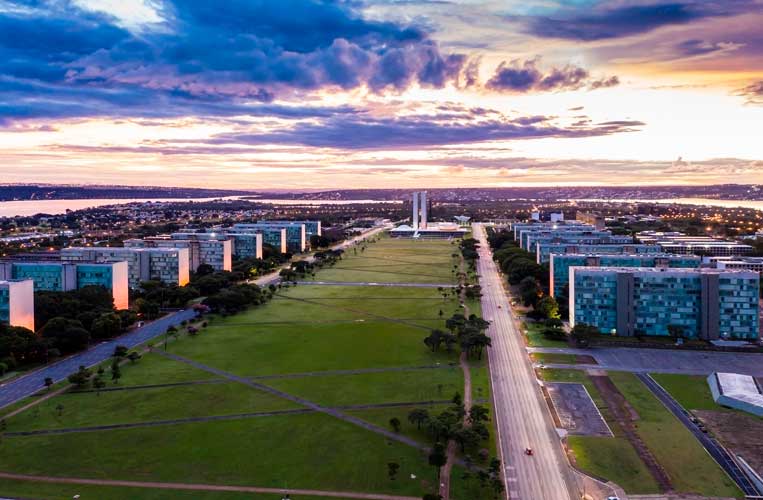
column 416, row 211
column 424, row 209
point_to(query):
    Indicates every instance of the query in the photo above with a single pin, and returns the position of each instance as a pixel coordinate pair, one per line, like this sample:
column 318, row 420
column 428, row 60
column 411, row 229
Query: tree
column 529, row 291
column 134, row 356
column 98, row 384
column 548, row 307
column 392, row 468
column 438, row 458
column 48, row 383
column 106, row 326
column 581, row 334
column 466, row 437
column 120, row 351
column 204, row 270
column 418, row 416
column 116, row 371
column 81, row 378
column 478, row 413
column 431, row 496
column 434, row 340
column 394, row 422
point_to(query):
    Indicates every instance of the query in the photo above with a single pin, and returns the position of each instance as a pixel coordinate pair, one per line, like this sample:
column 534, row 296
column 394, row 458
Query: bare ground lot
column 576, row 411
column 737, row 431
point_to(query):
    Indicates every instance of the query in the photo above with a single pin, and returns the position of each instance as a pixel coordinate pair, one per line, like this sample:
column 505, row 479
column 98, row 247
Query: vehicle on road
column 528, row 451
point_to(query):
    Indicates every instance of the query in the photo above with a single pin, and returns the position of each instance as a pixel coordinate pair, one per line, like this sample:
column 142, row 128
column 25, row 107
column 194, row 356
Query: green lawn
column 567, row 359
column 387, row 387
column 58, row 491
column 392, row 260
column 339, row 328
column 301, row 451
column 613, row 459
column 691, row 391
column 690, row 467
column 142, row 405
column 536, row 339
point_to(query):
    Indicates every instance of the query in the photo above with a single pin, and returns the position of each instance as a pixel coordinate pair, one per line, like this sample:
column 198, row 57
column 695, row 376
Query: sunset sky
column 381, row 93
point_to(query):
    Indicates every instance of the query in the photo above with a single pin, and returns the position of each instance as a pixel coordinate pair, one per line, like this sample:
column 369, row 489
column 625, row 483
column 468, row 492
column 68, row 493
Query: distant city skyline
column 311, row 94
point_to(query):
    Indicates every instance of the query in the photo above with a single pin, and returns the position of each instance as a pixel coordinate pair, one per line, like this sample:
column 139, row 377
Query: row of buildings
column 660, row 284
column 168, row 258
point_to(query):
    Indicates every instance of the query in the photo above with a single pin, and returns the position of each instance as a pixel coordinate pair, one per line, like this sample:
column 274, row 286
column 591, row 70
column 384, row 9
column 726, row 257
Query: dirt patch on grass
column 585, row 359
column 742, row 434
column 626, row 417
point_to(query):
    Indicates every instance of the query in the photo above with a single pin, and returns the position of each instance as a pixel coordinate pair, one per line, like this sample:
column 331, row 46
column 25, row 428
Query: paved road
column 27, row 385
column 665, row 360
column 522, row 415
column 372, row 283
column 715, row 450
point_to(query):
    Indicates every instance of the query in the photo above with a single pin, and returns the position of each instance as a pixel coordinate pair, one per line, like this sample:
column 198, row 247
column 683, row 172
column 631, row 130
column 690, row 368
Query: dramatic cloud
column 419, row 131
column 248, row 51
column 525, row 76
column 605, row 21
column 753, row 93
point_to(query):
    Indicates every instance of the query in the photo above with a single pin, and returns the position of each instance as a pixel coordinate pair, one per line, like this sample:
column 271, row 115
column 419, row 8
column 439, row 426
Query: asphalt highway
column 521, row 413
column 22, row 387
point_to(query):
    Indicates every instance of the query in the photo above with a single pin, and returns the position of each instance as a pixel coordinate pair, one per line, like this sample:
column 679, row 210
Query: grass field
column 29, row 489
column 391, row 260
column 304, row 332
column 691, row 391
column 690, row 467
column 609, row 458
column 536, row 339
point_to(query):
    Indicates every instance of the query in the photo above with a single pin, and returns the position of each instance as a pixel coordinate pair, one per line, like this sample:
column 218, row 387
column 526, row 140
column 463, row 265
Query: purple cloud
column 517, row 76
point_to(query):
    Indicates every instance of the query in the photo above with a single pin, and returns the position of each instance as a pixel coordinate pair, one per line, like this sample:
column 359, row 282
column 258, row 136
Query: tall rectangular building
column 17, row 303
column 56, row 276
column 559, row 266
column 203, row 248
column 312, row 227
column 707, row 304
column 543, row 251
column 296, row 235
column 169, row 265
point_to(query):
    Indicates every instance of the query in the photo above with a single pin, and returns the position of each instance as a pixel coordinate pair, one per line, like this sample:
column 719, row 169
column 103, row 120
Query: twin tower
column 420, row 208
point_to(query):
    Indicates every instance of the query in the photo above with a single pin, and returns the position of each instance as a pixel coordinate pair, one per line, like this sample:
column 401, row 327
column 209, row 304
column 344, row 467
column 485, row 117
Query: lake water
column 55, row 207
column 710, row 202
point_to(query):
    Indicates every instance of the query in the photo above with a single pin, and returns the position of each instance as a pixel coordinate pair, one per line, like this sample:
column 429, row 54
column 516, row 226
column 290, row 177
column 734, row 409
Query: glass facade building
column 57, row 276
column 296, row 234
column 544, row 251
column 169, row 265
column 702, row 303
column 559, row 265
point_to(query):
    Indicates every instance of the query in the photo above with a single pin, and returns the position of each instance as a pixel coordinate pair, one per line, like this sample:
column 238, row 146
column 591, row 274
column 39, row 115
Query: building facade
column 559, row 266
column 296, row 234
column 169, row 265
column 17, row 303
column 574, row 237
column 55, row 276
column 215, row 251
column 543, row 251
column 706, row 304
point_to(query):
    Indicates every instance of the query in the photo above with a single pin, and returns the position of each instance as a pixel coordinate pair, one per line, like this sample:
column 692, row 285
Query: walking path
column 214, row 418
column 202, row 487
column 26, row 385
column 300, row 401
column 464, row 364
column 373, row 283
column 358, row 371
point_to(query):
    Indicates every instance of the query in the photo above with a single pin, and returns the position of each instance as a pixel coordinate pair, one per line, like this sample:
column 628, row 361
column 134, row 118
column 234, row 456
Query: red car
column 528, row 451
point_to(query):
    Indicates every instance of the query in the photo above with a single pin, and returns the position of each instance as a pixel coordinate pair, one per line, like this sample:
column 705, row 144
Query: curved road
column 26, row 385
column 521, row 413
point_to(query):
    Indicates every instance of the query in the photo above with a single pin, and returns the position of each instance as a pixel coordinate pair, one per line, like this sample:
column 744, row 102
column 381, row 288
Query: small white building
column 737, row 391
